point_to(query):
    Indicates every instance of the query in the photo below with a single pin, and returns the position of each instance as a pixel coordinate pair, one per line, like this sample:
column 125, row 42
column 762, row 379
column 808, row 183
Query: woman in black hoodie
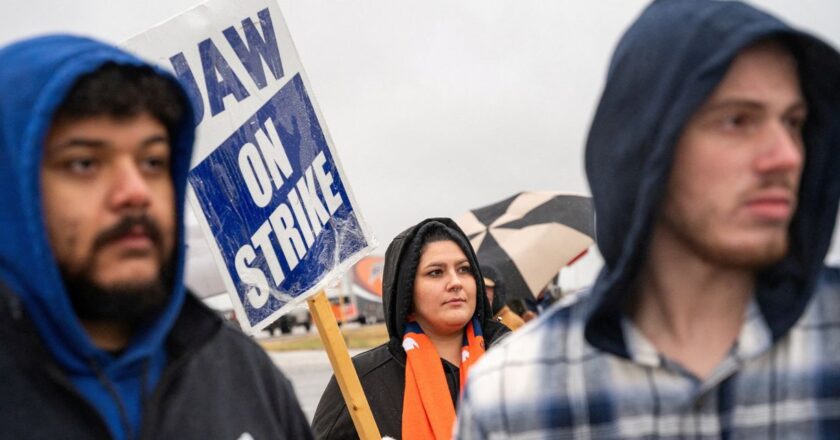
column 432, row 291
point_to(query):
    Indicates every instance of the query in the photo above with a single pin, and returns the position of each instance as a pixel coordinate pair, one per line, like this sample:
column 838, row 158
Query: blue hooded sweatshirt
column 35, row 77
column 687, row 46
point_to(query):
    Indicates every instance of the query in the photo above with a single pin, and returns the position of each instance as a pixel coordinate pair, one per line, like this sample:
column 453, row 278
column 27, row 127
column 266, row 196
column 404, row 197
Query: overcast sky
column 438, row 106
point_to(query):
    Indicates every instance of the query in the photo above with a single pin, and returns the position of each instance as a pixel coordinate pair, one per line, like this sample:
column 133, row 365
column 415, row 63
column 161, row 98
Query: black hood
column 401, row 261
column 663, row 69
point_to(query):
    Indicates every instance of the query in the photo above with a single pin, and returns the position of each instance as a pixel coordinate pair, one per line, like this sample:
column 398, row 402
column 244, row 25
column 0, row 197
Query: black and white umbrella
column 531, row 236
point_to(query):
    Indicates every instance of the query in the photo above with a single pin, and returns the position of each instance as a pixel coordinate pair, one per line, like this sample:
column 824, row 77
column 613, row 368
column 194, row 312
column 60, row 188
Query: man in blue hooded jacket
column 713, row 161
column 98, row 336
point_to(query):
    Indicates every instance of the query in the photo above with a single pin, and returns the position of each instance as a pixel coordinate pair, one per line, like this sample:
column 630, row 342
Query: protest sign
column 266, row 184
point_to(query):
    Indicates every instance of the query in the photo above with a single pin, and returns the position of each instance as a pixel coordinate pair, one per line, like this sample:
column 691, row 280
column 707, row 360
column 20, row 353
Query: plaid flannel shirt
column 546, row 381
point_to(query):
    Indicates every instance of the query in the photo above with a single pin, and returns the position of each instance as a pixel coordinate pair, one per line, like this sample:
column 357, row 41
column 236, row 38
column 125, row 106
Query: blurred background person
column 99, row 337
column 713, row 160
column 494, row 283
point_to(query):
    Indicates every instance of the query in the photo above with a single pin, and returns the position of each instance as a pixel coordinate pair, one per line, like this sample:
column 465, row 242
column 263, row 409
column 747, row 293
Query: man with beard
column 98, row 336
column 713, row 161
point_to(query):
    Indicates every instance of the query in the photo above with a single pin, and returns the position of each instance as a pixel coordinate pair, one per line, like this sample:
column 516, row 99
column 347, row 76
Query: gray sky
column 439, row 106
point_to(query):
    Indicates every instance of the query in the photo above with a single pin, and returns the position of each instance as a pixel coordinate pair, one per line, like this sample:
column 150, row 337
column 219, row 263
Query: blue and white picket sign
column 266, row 185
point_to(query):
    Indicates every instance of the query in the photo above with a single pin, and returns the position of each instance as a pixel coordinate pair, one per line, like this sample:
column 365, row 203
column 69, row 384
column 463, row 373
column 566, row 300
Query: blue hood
column 35, row 77
column 665, row 66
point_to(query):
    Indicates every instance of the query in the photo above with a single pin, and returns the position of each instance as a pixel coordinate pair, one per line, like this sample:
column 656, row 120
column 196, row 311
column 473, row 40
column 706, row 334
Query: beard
column 128, row 302
column 131, row 302
column 696, row 231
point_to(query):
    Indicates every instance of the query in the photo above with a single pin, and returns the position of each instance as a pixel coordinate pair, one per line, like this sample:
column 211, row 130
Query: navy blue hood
column 663, row 69
column 35, row 77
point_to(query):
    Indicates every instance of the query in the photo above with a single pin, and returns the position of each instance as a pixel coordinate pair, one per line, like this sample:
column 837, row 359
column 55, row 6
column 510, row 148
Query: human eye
column 464, row 269
column 795, row 123
column 434, row 273
column 736, row 121
column 155, row 163
column 81, row 166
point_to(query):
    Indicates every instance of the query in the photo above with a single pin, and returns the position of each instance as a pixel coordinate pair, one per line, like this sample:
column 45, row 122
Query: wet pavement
column 309, row 371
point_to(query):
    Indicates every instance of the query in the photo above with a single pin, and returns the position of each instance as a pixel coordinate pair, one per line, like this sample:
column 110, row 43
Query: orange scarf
column 428, row 412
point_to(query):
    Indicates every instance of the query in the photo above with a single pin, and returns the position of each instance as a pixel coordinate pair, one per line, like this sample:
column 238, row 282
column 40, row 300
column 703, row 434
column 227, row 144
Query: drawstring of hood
column 129, row 418
column 115, row 395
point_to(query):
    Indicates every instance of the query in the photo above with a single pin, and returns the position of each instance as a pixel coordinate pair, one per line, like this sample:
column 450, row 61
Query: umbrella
column 530, row 236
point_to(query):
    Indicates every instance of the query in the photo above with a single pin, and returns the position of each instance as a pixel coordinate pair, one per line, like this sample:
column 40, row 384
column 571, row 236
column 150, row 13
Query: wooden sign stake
column 345, row 372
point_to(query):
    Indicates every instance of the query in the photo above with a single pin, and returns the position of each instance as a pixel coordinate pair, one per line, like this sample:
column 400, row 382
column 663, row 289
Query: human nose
column 130, row 188
column 453, row 281
column 782, row 152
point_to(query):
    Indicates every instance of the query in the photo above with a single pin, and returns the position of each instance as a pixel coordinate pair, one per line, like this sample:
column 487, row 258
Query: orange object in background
column 344, row 312
column 366, row 288
column 359, row 298
column 367, row 273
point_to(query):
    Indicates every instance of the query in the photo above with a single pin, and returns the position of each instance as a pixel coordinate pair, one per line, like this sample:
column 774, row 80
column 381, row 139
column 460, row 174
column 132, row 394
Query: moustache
column 779, row 180
column 126, row 226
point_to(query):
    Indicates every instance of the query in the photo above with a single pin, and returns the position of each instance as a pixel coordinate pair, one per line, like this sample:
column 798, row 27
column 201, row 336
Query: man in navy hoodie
column 714, row 164
column 98, row 336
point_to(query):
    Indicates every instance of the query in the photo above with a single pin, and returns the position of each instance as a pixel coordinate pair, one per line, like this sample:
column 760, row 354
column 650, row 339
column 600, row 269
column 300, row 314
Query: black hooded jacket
column 219, row 384
column 382, row 369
